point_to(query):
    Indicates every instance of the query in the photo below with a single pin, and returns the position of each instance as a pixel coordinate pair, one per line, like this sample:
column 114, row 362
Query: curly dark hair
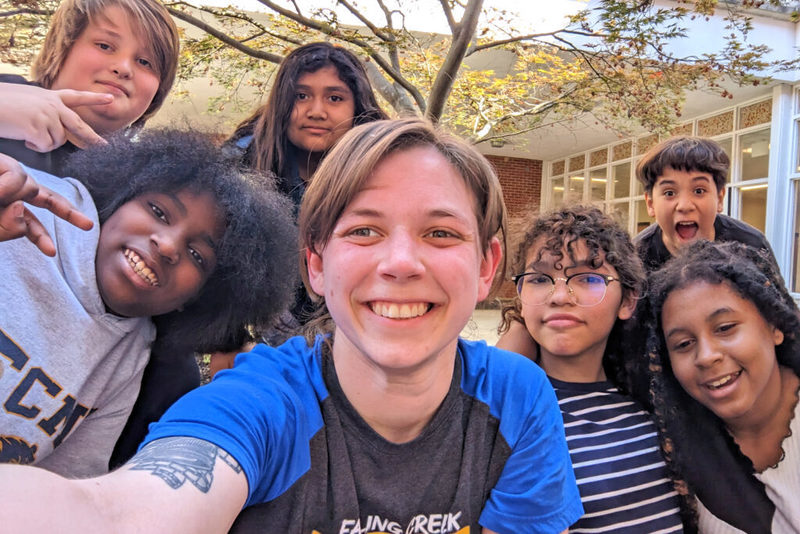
column 684, row 154
column 698, row 447
column 561, row 231
column 256, row 270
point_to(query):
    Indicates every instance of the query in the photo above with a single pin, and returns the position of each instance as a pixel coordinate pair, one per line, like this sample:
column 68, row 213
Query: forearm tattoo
column 176, row 460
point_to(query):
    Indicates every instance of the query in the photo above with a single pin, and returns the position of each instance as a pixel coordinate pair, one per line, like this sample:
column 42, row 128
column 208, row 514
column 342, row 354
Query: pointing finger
column 73, row 99
column 37, row 234
column 61, row 207
column 78, row 132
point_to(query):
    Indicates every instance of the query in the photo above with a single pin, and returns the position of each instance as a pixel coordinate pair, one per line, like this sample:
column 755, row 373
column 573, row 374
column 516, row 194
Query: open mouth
column 393, row 310
column 723, row 381
column 139, row 267
column 686, row 230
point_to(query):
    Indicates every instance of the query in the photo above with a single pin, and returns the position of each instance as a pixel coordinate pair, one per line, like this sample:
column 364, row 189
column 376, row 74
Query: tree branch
column 448, row 13
column 328, row 30
column 396, row 96
column 530, row 36
column 462, row 36
column 259, row 54
column 263, row 30
column 25, row 11
column 388, row 37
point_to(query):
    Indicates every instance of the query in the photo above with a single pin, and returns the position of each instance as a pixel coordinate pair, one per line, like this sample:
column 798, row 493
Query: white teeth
column 722, row 381
column 141, row 268
column 399, row 311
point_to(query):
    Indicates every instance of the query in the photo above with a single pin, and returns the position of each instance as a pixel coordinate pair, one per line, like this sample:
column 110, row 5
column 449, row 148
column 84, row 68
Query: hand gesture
column 16, row 220
column 44, row 119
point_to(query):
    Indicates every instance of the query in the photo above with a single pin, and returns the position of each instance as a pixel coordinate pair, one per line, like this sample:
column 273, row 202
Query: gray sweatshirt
column 69, row 371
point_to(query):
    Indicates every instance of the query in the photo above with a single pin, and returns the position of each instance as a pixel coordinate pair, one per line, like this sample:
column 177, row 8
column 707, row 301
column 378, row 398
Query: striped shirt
column 615, row 453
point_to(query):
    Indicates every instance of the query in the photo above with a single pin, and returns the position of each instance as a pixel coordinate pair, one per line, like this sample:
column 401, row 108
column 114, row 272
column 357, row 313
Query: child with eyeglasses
column 577, row 284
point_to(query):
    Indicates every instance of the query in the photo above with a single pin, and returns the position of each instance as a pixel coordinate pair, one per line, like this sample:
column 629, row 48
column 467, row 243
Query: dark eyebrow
column 178, row 204
column 718, row 312
column 713, row 315
column 184, row 212
column 580, row 264
column 540, row 265
column 211, row 242
column 342, row 87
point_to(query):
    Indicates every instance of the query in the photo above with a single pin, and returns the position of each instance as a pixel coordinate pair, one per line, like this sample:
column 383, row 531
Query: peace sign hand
column 16, row 220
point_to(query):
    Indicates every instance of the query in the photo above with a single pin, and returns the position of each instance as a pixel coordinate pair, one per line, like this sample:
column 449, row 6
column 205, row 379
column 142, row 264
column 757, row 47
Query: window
column 747, row 195
column 794, row 176
column 622, row 180
column 597, row 184
column 610, row 181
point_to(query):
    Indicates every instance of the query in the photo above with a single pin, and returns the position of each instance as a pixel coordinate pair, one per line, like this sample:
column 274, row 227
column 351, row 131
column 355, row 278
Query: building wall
column 522, row 187
column 521, row 180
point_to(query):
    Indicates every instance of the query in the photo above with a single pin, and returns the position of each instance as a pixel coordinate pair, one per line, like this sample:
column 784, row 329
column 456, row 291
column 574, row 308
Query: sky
column 426, row 15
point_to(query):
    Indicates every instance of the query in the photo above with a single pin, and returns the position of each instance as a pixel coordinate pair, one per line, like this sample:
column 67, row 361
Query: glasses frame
column 607, row 278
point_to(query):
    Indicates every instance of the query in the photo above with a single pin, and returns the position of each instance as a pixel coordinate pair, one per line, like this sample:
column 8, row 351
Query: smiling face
column 110, row 56
column 565, row 330
column 156, row 252
column 685, row 205
column 323, row 110
column 722, row 351
column 404, row 268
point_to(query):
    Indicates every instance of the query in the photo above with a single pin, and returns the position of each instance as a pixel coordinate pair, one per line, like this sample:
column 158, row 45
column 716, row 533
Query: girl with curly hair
column 578, row 280
column 726, row 363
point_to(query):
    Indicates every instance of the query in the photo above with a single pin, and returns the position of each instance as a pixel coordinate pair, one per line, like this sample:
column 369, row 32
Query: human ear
column 489, row 262
column 720, row 198
column 777, row 336
column 628, row 306
column 316, row 278
column 648, row 200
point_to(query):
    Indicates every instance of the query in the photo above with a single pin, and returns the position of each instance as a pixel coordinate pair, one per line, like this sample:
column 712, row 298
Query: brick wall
column 521, row 180
column 522, row 188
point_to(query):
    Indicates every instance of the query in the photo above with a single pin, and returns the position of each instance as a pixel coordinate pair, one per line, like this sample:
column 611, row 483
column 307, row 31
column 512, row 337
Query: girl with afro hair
column 182, row 244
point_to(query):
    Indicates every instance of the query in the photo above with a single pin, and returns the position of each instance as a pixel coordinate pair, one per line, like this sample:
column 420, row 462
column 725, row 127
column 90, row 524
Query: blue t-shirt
column 493, row 455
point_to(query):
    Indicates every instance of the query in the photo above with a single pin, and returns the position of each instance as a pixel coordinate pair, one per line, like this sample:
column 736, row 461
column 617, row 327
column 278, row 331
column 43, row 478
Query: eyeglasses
column 585, row 289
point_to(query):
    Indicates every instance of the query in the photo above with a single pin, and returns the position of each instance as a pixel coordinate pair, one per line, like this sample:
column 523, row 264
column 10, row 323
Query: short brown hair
column 152, row 19
column 684, row 154
column 351, row 162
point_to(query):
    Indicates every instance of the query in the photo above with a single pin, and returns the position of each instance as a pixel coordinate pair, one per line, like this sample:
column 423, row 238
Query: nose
column 166, row 245
column 708, row 354
column 122, row 68
column 316, row 108
column 561, row 293
column 400, row 259
column 684, row 203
